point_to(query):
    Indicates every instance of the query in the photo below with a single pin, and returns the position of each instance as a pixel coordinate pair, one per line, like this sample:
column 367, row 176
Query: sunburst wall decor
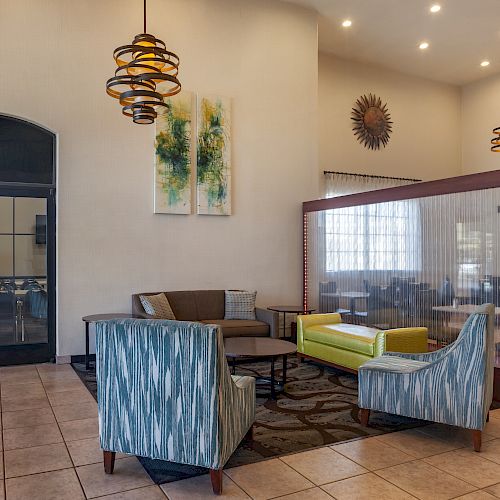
column 372, row 122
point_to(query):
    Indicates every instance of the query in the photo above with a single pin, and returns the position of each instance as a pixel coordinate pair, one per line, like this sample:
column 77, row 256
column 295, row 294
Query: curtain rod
column 372, row 176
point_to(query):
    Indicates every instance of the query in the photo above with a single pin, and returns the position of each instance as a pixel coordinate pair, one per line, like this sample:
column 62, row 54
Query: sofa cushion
column 355, row 338
column 239, row 305
column 210, row 303
column 240, row 327
column 184, row 305
column 157, row 306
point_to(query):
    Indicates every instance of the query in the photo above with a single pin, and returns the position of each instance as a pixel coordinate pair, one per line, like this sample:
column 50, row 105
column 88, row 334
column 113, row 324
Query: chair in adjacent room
column 164, row 391
column 453, row 385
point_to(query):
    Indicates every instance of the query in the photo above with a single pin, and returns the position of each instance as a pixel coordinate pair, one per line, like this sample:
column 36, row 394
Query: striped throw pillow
column 240, row 305
column 157, row 306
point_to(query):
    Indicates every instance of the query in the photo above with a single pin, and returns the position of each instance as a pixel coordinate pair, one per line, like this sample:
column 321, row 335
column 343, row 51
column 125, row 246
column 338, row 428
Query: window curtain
column 370, row 243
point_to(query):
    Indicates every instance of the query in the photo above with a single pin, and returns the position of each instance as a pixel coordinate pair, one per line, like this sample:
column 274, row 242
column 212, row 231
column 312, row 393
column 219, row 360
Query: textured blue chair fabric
column 453, row 385
column 164, row 391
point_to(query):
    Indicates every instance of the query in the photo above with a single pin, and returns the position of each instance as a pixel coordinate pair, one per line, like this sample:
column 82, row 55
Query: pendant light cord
column 144, row 17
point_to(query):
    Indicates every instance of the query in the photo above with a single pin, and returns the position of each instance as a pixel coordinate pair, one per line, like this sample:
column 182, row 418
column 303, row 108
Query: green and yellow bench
column 324, row 338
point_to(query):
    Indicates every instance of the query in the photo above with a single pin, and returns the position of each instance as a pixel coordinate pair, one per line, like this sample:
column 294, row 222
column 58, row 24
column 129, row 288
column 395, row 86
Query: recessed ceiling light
column 485, row 63
column 423, row 45
column 347, row 23
column 435, row 8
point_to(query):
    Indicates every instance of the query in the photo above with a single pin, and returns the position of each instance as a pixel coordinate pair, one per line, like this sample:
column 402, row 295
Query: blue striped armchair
column 453, row 385
column 164, row 391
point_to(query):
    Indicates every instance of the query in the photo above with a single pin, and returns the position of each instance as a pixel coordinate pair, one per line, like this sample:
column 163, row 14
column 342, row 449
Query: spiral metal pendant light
column 146, row 74
column 496, row 141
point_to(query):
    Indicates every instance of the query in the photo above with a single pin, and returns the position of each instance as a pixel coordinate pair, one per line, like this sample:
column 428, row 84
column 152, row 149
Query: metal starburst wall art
column 372, row 123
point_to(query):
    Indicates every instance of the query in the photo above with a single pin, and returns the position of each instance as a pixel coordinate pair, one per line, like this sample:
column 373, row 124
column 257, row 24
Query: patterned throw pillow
column 157, row 306
column 240, row 305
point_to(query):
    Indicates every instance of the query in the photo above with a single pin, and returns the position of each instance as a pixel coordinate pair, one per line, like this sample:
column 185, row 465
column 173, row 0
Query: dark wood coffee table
column 261, row 348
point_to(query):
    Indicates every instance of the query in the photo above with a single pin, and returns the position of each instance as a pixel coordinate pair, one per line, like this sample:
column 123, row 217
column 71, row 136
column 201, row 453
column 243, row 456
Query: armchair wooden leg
column 364, row 416
column 249, row 434
column 109, row 461
column 216, row 478
column 476, row 439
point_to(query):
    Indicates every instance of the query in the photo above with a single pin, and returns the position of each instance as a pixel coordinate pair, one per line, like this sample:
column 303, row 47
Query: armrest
column 408, row 340
column 306, row 320
column 430, row 357
column 271, row 318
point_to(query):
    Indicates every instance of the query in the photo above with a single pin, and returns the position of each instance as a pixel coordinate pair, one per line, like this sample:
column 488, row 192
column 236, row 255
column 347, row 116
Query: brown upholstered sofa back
column 209, row 306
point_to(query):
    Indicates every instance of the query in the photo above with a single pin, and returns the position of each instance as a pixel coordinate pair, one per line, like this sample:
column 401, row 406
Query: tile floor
column 50, row 451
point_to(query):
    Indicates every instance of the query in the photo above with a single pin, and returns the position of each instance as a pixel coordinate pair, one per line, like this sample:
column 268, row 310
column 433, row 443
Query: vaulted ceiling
column 388, row 33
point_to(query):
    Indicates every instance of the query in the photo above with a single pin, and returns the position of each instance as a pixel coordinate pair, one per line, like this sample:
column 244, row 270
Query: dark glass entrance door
column 27, row 242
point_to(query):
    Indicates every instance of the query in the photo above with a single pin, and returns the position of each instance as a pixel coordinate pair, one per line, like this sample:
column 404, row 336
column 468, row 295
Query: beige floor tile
column 372, row 454
column 37, row 459
column 200, row 488
column 128, row 475
column 477, row 495
column 20, row 391
column 424, row 481
column 364, row 488
column 58, row 375
column 489, row 450
column 67, row 413
column 25, row 437
column 27, row 418
column 147, row 493
column 61, row 385
column 87, row 451
column 79, row 429
column 493, row 427
column 495, row 413
column 1, row 466
column 416, row 444
column 323, row 465
column 311, row 494
column 56, row 485
column 17, row 376
column 25, row 403
column 268, row 479
column 494, row 490
column 54, row 368
column 75, row 396
column 467, row 466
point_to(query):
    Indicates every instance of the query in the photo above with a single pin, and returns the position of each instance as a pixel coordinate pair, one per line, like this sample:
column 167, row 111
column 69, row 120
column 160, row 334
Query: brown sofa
column 207, row 306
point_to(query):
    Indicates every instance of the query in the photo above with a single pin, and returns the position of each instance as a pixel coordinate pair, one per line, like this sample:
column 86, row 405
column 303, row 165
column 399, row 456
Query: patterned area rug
column 319, row 407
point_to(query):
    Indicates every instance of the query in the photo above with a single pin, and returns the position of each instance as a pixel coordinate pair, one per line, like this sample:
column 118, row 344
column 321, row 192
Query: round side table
column 92, row 319
column 289, row 309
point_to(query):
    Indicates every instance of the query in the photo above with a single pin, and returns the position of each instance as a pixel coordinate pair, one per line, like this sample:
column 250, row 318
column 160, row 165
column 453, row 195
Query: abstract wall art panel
column 213, row 179
column 174, row 156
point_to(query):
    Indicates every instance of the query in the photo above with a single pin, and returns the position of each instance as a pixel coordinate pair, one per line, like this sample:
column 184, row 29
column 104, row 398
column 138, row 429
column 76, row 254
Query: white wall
column 56, row 57
column 425, row 142
column 480, row 115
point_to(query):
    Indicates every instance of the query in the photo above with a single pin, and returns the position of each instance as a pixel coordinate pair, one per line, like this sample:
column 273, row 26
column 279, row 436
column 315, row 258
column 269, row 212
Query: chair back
column 159, row 385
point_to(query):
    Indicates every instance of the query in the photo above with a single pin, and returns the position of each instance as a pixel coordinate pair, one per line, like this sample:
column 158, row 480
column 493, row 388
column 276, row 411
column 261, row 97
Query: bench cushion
column 240, row 327
column 355, row 338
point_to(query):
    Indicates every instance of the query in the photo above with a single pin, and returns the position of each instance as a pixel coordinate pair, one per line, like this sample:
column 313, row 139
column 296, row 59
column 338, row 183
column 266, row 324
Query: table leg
column 273, row 381
column 284, row 325
column 284, row 370
column 87, row 355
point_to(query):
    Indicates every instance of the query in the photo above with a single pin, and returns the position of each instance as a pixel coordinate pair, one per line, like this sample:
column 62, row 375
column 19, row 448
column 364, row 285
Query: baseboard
column 63, row 360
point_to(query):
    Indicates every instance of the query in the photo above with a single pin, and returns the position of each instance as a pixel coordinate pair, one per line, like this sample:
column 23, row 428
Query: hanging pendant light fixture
column 146, row 74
